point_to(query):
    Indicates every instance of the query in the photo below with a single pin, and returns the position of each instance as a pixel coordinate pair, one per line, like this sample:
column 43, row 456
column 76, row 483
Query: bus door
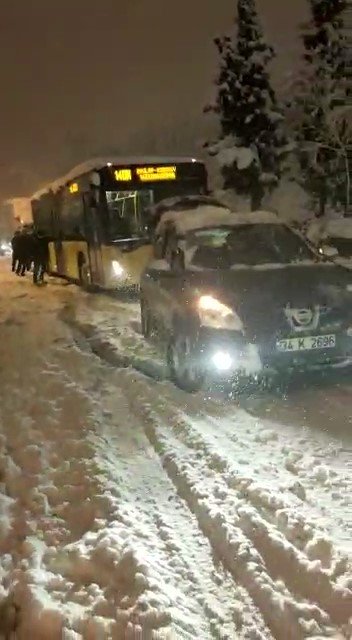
column 93, row 236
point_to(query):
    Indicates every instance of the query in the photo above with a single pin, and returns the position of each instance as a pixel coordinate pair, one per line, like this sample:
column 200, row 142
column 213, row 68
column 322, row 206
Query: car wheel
column 146, row 321
column 184, row 369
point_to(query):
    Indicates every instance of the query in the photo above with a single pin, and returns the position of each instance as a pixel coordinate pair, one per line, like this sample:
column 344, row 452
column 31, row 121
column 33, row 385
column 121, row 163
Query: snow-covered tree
column 251, row 143
column 322, row 121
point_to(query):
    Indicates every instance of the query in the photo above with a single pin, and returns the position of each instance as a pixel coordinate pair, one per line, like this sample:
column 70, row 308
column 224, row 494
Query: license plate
column 308, row 343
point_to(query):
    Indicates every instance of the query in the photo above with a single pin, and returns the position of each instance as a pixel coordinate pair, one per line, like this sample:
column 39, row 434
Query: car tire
column 181, row 360
column 146, row 321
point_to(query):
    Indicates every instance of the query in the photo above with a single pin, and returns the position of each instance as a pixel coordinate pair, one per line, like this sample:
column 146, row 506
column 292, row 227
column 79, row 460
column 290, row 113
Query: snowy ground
column 132, row 510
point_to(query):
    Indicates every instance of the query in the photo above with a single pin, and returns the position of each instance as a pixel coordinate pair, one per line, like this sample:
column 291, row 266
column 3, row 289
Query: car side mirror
column 328, row 251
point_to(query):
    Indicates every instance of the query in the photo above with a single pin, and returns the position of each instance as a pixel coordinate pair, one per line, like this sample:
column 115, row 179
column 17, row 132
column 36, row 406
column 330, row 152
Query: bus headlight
column 118, row 269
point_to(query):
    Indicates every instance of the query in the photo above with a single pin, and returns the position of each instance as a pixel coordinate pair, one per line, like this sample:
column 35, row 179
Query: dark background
column 82, row 77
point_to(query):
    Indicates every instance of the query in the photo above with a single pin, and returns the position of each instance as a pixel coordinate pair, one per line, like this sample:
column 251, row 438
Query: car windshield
column 252, row 244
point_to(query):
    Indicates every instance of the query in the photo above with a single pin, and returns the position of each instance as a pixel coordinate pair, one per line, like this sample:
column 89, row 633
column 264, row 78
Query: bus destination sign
column 154, row 174
column 123, row 175
column 146, row 174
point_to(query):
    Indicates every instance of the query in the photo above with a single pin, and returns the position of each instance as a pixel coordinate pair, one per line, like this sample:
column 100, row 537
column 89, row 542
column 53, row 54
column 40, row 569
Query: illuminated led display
column 73, row 187
column 123, row 175
column 153, row 174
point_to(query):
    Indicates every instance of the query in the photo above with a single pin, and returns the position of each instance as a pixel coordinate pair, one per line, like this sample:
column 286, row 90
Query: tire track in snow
column 208, row 584
column 336, row 605
column 310, row 488
column 269, row 542
column 223, row 603
column 216, row 408
column 185, row 561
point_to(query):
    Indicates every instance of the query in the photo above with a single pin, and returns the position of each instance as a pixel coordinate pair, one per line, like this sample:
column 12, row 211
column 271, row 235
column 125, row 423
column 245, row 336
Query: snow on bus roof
column 207, row 216
column 99, row 163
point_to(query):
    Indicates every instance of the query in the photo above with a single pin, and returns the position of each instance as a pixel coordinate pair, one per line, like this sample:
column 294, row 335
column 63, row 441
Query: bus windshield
column 128, row 211
column 125, row 212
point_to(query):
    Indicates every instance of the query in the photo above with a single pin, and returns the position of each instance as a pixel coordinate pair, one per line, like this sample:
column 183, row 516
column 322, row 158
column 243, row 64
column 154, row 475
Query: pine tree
column 322, row 128
column 251, row 144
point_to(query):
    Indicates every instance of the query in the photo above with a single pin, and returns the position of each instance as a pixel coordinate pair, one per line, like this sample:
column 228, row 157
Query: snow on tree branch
column 319, row 111
column 251, row 144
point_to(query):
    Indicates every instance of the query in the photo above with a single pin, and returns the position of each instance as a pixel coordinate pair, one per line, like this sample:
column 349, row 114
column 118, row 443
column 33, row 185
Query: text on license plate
column 308, row 343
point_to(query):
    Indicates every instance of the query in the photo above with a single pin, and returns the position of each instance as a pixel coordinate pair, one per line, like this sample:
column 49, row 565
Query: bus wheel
column 83, row 271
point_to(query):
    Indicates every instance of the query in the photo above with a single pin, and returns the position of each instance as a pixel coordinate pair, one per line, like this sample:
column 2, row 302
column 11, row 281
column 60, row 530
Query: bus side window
column 72, row 214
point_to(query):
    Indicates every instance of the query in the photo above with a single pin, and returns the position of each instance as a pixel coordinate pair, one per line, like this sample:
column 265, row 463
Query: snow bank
column 290, row 202
column 242, row 157
column 73, row 561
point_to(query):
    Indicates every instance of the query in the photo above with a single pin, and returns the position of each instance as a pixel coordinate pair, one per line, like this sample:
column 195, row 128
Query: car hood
column 261, row 297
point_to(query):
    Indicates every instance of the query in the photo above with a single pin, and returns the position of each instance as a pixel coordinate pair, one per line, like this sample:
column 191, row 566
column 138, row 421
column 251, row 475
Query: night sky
column 79, row 77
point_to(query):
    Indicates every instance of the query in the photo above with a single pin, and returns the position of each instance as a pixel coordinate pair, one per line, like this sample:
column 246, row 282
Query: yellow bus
column 97, row 216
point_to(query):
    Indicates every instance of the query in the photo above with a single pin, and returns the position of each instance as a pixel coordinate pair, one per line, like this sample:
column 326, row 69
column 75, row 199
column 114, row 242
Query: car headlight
column 118, row 269
column 222, row 361
column 215, row 314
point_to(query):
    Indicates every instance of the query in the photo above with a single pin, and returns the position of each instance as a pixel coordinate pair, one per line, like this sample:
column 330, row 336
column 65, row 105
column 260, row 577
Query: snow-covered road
column 129, row 509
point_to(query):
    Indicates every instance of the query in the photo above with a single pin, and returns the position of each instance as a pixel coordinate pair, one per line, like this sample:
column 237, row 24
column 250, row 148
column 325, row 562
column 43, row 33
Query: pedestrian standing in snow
column 24, row 248
column 40, row 257
column 30, row 250
column 15, row 250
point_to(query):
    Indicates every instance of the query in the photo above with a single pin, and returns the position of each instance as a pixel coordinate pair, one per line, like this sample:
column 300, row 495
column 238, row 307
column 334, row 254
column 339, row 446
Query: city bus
column 97, row 217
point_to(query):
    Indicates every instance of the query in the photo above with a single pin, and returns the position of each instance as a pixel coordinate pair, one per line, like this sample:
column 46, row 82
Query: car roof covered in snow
column 207, row 216
column 184, row 203
column 95, row 164
column 335, row 228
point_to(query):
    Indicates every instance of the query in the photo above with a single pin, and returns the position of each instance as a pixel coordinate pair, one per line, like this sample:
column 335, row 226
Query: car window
column 253, row 244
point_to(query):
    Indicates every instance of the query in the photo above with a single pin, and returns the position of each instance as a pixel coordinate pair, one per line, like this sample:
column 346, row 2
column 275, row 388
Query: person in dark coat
column 15, row 250
column 24, row 244
column 30, row 248
column 40, row 257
